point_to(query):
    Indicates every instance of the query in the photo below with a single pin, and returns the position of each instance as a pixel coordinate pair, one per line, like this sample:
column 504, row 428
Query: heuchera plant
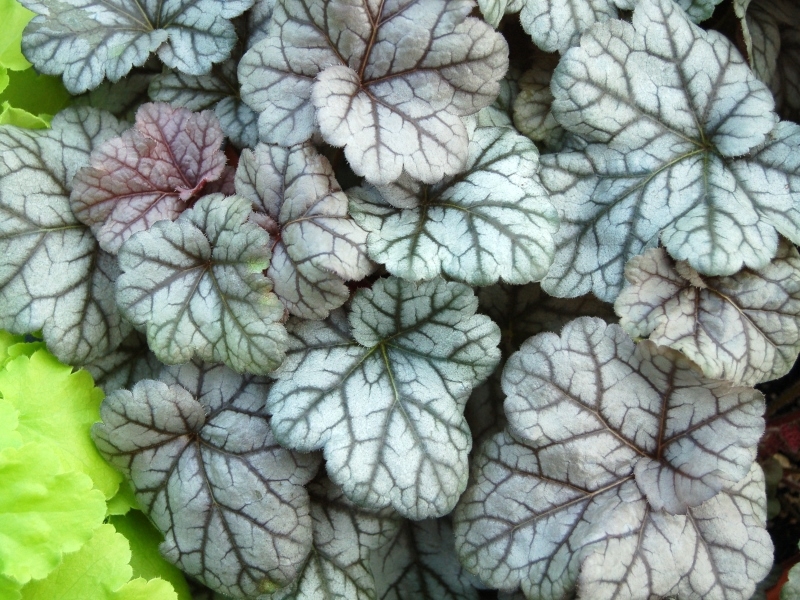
column 402, row 389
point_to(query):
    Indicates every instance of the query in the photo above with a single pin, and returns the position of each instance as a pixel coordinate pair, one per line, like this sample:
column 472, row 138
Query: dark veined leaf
column 203, row 462
column 129, row 363
column 744, row 328
column 384, row 394
column 195, row 285
column 86, row 41
column 316, row 246
column 388, row 81
column 53, row 276
column 708, row 172
column 152, row 172
column 491, row 221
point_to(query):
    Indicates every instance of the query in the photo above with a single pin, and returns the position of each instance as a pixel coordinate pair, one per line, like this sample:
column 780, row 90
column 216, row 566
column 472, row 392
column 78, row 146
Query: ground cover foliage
column 400, row 299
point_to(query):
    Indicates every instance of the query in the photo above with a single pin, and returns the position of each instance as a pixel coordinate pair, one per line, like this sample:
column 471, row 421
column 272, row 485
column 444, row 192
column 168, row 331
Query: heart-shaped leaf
column 384, row 395
column 196, row 286
column 150, row 173
column 86, row 41
column 198, row 449
column 491, row 221
column 392, row 90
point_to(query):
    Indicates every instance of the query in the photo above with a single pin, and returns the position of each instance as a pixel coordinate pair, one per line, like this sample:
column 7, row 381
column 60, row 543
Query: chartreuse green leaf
column 146, row 561
column 491, row 221
column 198, row 450
column 10, row 589
column 14, row 18
column 384, row 393
column 345, row 537
column 100, row 571
column 708, row 173
column 744, row 328
column 53, row 276
column 56, row 407
column 622, row 468
column 196, row 286
column 316, row 245
column 86, row 41
column 44, row 511
column 34, row 93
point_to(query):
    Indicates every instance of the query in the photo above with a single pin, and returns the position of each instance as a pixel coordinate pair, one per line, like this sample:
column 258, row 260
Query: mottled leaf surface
column 708, row 171
column 631, row 409
column 518, row 526
column 744, row 328
column 420, row 562
column 345, row 535
column 198, row 449
column 316, row 246
column 217, row 90
column 384, row 394
column 151, row 172
column 129, row 363
column 492, row 221
column 389, row 81
column 86, row 41
column 53, row 276
column 195, row 285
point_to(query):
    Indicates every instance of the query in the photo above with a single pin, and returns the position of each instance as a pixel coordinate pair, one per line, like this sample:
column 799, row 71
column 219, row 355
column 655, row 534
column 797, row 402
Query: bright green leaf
column 9, row 436
column 44, row 512
column 57, row 407
column 35, row 93
column 146, row 561
column 9, row 589
column 122, row 502
column 98, row 571
column 22, row 118
column 14, row 19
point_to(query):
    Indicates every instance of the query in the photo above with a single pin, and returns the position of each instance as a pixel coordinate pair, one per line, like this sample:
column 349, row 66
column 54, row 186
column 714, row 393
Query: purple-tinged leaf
column 150, row 173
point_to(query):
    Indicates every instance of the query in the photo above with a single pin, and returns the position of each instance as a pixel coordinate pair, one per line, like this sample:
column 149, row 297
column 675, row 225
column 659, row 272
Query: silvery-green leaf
column 338, row 567
column 128, row 364
column 390, row 82
column 122, row 98
column 53, row 275
column 420, row 563
column 316, row 245
column 384, row 395
column 601, row 406
column 500, row 112
column 195, row 286
column 791, row 589
column 258, row 20
column 492, row 221
column 217, row 90
column 205, row 466
column 87, row 41
column 532, row 112
column 493, row 10
column 744, row 328
column 708, row 172
column 518, row 526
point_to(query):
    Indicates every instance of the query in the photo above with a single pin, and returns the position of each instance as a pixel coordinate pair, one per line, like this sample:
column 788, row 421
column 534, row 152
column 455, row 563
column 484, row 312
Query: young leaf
column 98, row 570
column 44, row 511
column 338, row 567
column 744, row 328
column 315, row 244
column 631, row 409
column 196, row 286
column 420, row 563
column 53, row 276
column 519, row 526
column 152, row 172
column 666, row 169
column 88, row 40
column 56, row 408
column 217, row 90
column 207, row 470
column 130, row 362
column 385, row 395
column 491, row 221
column 392, row 91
